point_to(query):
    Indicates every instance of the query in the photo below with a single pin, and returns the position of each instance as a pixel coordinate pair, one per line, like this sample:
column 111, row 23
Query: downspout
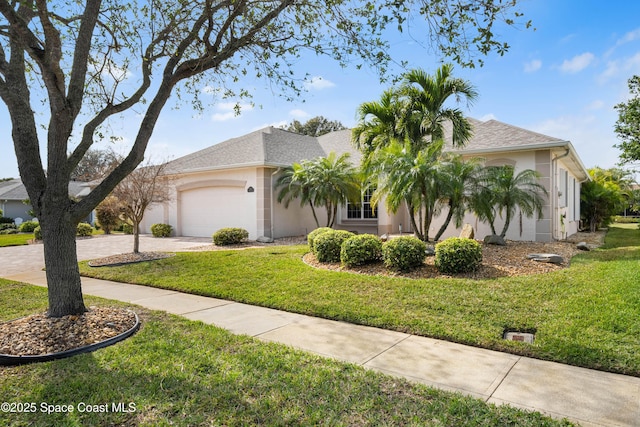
column 554, row 197
column 271, row 208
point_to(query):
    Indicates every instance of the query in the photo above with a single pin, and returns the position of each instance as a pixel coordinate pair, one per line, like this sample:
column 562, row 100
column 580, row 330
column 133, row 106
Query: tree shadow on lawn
column 188, row 373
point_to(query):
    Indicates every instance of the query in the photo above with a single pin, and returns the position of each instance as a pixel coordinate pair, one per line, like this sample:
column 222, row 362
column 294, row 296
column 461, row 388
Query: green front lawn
column 183, row 373
column 15, row 239
column 585, row 315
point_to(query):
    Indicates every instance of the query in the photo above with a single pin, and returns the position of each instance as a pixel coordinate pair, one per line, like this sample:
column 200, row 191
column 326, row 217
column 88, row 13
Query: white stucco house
column 230, row 184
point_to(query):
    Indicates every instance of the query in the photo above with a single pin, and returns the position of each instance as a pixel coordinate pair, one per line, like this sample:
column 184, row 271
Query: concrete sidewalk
column 591, row 398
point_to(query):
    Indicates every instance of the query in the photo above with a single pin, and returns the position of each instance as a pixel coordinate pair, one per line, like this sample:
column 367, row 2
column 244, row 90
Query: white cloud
column 532, row 66
column 591, row 137
column 626, row 67
column 598, row 104
column 299, row 114
column 229, row 110
column 577, row 63
column 487, row 117
column 629, row 37
column 318, row 83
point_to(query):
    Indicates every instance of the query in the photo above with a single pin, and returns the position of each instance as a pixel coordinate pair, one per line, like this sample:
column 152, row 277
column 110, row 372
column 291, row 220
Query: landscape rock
column 467, row 232
column 430, row 251
column 550, row 258
column 583, row 246
column 264, row 239
column 494, row 239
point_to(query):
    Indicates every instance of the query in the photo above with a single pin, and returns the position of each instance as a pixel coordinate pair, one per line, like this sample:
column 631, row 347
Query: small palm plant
column 503, row 191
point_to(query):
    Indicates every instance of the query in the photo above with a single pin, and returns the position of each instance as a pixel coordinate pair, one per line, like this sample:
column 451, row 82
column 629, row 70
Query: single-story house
column 231, row 184
column 13, row 194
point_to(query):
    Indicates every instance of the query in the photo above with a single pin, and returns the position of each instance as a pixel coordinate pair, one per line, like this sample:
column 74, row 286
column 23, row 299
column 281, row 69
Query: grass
column 585, row 315
column 183, row 373
column 15, row 239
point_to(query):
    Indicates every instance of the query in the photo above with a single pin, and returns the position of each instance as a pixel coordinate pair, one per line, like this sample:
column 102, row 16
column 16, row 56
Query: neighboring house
column 230, row 184
column 13, row 194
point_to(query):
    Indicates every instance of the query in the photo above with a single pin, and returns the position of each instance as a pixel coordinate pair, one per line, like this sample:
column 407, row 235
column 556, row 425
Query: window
column 362, row 210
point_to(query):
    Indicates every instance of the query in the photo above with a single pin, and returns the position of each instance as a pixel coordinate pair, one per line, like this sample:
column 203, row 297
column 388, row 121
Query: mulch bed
column 39, row 334
column 497, row 261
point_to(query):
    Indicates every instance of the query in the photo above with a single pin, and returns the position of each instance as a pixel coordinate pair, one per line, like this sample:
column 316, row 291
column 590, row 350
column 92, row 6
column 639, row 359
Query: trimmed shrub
column 37, row 233
column 127, row 228
column 9, row 231
column 314, row 234
column 458, row 255
column 404, row 253
column 8, row 226
column 28, row 226
column 230, row 236
column 161, row 230
column 328, row 245
column 84, row 229
column 6, row 220
column 361, row 249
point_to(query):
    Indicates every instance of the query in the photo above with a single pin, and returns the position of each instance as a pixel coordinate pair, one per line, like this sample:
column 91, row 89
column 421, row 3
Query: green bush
column 361, row 249
column 84, row 229
column 9, row 231
column 28, row 226
column 626, row 219
column 314, row 234
column 458, row 255
column 8, row 226
column 37, row 233
column 127, row 228
column 404, row 253
column 6, row 220
column 161, row 230
column 328, row 245
column 230, row 236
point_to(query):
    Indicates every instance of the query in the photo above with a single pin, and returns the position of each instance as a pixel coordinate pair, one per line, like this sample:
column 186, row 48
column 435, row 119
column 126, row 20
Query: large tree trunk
column 61, row 259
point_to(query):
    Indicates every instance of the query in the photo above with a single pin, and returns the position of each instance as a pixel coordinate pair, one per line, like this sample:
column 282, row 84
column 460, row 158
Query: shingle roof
column 277, row 147
column 493, row 135
column 15, row 190
column 265, row 147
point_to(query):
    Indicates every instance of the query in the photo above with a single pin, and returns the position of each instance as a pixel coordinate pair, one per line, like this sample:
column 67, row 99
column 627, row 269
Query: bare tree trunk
column 61, row 259
column 136, row 237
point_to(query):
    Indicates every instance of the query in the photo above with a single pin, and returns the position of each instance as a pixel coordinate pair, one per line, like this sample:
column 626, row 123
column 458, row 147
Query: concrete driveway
column 21, row 259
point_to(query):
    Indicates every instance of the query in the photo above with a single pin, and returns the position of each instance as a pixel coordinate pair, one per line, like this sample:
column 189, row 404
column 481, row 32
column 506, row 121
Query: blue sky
column 562, row 79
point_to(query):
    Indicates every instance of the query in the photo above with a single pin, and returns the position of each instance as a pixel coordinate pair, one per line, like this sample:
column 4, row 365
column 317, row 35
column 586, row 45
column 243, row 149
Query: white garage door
column 205, row 210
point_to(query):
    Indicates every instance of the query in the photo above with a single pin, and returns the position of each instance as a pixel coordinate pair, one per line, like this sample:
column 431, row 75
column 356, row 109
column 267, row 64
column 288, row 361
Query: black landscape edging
column 10, row 360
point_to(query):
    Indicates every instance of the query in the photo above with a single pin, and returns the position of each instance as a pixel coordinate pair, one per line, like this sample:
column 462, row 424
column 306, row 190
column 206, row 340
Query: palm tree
column 427, row 96
column 325, row 181
column 378, row 124
column 294, row 184
column 606, row 194
column 410, row 178
column 457, row 182
column 335, row 181
column 510, row 191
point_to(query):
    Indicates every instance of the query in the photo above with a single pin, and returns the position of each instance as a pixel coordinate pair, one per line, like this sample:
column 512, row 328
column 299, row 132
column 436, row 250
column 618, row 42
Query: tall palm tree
column 511, row 191
column 457, row 182
column 427, row 95
column 378, row 124
column 325, row 181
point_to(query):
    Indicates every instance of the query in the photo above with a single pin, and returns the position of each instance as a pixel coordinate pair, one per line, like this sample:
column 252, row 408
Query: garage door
column 205, row 210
